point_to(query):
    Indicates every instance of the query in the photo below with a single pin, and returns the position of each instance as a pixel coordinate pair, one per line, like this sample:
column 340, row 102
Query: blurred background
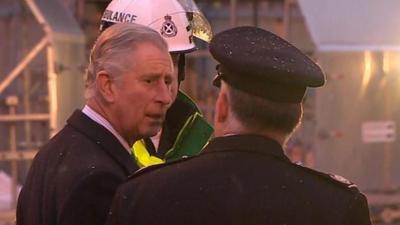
column 349, row 125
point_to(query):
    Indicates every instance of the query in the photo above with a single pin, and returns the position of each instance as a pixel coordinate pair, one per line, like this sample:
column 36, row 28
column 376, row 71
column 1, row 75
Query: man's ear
column 222, row 106
column 105, row 86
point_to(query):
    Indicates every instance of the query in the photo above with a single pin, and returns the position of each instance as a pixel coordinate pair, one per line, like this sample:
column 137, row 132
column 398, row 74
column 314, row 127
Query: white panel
column 353, row 25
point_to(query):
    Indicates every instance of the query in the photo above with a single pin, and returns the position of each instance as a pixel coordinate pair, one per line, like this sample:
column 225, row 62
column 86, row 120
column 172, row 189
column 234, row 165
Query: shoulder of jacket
column 152, row 168
column 331, row 178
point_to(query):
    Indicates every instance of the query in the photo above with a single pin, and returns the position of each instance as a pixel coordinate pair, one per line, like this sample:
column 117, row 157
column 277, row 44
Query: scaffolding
column 62, row 48
column 60, row 51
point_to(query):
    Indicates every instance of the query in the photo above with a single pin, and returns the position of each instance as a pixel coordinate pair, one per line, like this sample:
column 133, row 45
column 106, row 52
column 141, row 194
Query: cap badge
column 168, row 28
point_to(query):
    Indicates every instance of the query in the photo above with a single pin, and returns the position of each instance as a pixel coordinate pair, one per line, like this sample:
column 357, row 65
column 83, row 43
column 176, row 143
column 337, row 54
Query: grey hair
column 262, row 114
column 110, row 51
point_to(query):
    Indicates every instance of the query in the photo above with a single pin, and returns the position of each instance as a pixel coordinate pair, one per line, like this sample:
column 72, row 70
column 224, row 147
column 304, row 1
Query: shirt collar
column 102, row 121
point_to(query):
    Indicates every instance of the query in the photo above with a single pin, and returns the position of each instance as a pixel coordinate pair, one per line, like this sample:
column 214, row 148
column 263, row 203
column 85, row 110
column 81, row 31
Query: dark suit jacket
column 243, row 180
column 73, row 178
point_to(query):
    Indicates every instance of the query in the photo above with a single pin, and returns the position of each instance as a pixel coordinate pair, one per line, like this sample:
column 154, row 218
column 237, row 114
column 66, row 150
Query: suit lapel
column 102, row 137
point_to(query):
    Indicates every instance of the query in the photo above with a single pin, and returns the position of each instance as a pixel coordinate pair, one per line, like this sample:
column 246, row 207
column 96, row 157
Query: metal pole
column 25, row 61
column 286, row 17
column 52, row 79
column 80, row 11
column 52, row 88
column 255, row 12
column 27, row 80
column 232, row 13
column 39, row 16
column 27, row 154
column 25, row 117
column 12, row 102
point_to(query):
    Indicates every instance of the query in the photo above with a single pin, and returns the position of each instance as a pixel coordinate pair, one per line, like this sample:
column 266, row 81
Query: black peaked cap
column 263, row 64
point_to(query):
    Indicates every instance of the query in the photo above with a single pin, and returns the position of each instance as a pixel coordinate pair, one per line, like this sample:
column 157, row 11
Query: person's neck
column 235, row 128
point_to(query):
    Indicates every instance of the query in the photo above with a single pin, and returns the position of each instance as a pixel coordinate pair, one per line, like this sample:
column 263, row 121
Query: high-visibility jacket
column 193, row 134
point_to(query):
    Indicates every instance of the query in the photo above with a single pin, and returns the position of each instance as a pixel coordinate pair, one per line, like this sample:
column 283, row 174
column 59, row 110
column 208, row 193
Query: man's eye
column 149, row 81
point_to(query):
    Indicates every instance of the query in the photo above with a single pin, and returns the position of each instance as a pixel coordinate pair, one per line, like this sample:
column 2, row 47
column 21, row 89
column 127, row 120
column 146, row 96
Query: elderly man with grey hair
column 130, row 85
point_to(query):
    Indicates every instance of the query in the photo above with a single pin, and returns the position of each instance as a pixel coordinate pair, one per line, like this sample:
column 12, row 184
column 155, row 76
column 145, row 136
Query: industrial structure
column 349, row 126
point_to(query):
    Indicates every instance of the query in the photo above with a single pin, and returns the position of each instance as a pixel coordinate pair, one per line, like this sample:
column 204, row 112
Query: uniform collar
column 246, row 143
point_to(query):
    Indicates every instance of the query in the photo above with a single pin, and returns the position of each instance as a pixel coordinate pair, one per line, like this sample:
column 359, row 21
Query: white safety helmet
column 176, row 20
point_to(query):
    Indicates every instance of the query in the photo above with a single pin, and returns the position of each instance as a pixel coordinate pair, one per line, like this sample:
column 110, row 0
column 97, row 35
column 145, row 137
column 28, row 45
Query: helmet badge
column 168, row 28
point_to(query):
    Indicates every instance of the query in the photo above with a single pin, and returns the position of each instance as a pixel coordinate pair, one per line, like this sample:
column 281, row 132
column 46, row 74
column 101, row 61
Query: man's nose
column 164, row 94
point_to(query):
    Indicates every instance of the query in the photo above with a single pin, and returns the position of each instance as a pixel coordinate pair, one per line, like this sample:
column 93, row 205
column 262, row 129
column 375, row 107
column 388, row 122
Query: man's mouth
column 157, row 117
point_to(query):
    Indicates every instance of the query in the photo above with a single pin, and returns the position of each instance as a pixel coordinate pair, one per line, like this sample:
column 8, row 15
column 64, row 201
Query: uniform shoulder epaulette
column 148, row 169
column 336, row 179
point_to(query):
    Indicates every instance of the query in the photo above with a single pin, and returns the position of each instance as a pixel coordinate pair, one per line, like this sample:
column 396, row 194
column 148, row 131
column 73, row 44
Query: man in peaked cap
column 243, row 175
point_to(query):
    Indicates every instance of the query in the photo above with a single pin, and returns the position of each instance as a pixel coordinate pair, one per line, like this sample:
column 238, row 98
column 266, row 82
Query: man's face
column 144, row 93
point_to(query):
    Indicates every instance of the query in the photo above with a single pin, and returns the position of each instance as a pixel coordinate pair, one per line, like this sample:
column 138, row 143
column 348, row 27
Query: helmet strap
column 181, row 67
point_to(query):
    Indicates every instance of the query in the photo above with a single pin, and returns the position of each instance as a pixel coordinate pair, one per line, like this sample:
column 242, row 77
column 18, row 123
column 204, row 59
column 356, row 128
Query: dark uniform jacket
column 241, row 179
column 74, row 177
